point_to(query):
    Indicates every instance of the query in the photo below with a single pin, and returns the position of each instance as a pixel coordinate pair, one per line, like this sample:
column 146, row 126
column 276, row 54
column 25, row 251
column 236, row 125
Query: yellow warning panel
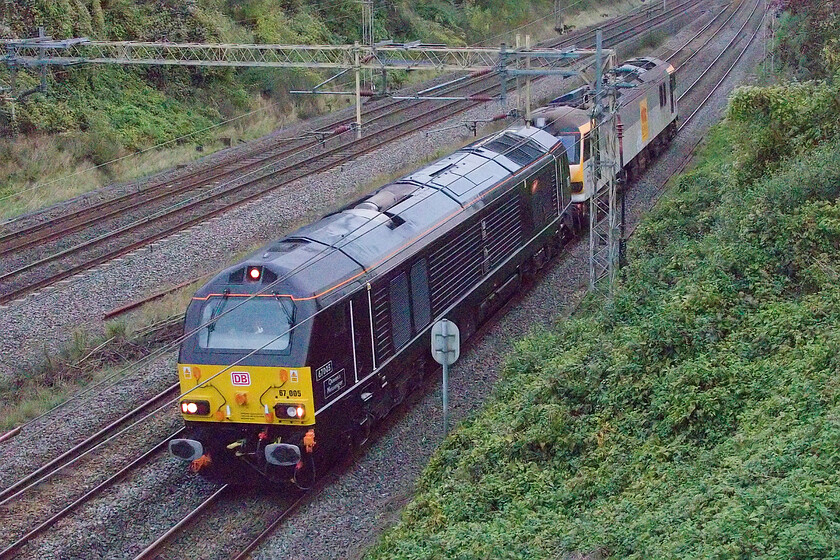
column 248, row 394
column 643, row 111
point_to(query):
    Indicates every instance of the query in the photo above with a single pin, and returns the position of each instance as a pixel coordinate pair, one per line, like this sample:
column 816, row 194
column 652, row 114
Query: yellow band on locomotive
column 247, row 394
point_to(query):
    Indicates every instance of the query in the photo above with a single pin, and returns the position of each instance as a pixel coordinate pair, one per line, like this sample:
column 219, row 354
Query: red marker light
column 254, row 273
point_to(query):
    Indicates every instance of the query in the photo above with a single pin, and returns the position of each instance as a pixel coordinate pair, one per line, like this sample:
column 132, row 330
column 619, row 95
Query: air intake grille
column 520, row 150
column 503, row 229
column 382, row 322
column 455, row 267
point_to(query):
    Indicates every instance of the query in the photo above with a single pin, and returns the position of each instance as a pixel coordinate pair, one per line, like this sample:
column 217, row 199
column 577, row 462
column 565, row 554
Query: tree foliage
column 137, row 107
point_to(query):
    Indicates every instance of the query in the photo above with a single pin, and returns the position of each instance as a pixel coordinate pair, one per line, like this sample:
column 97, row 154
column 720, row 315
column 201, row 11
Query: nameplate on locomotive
column 323, row 371
column 334, row 384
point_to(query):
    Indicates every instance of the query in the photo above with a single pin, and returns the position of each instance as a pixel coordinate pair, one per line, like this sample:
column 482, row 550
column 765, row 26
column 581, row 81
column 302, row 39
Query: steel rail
column 14, row 490
column 110, row 481
column 96, row 210
column 285, row 514
column 108, row 208
column 256, row 541
column 725, row 50
column 728, row 71
column 690, row 155
column 149, row 550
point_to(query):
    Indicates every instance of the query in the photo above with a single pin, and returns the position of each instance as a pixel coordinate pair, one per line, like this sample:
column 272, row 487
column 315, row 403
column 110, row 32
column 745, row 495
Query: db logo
column 240, row 378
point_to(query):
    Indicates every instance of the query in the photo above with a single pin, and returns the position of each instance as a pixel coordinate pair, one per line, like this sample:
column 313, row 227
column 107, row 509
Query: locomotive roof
column 640, row 72
column 342, row 248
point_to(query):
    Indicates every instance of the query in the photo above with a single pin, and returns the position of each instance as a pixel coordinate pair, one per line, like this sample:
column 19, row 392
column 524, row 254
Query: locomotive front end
column 245, row 394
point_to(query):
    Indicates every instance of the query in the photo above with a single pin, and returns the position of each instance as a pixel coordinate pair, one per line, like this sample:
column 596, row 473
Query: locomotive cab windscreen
column 571, row 141
column 244, row 360
column 263, row 324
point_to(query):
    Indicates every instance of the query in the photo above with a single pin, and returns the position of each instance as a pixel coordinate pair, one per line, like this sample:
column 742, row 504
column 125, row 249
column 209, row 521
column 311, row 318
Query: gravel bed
column 44, row 321
column 46, row 438
column 37, row 505
column 339, row 517
column 126, row 518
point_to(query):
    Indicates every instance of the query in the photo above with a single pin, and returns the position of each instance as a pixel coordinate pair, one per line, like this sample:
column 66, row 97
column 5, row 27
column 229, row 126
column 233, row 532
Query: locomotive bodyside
column 647, row 111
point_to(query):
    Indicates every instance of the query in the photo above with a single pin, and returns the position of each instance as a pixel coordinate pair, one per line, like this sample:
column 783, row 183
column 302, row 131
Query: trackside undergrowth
column 698, row 414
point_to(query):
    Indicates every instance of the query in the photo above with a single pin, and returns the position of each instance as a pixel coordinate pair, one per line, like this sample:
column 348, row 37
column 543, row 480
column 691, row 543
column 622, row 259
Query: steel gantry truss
column 604, row 166
column 407, row 56
column 43, row 51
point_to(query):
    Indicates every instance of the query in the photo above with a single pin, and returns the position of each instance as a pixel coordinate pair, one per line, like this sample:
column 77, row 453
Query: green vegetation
column 808, row 39
column 92, row 116
column 698, row 414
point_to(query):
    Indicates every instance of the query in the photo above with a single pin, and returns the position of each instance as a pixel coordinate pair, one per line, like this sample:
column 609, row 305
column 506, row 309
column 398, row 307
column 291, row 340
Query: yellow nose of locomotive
column 246, row 395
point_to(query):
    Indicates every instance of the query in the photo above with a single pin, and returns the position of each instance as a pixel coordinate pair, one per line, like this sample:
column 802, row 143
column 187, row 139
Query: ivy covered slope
column 93, row 115
column 698, row 415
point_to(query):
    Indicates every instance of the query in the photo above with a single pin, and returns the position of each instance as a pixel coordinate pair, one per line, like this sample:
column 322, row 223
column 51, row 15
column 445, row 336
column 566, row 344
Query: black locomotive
column 300, row 348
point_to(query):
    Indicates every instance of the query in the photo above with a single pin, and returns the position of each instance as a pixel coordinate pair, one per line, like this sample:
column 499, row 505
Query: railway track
column 15, row 236
column 12, row 493
column 202, row 196
column 43, row 526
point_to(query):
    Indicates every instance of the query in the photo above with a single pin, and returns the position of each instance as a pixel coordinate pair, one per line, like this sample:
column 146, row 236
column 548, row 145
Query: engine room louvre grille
column 520, row 150
column 504, row 229
column 400, row 311
column 382, row 323
column 455, row 266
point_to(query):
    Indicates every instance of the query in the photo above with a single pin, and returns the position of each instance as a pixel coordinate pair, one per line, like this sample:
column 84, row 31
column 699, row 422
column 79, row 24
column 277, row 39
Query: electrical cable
column 171, row 346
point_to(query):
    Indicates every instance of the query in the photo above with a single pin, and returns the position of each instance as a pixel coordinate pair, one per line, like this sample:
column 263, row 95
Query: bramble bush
column 774, row 124
column 698, row 415
column 808, row 37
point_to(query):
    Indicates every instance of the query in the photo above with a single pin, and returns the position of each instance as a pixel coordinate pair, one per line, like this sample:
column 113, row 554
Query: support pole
column 604, row 217
column 358, row 92
column 445, row 398
column 503, row 74
column 558, row 19
column 528, row 81
column 518, row 67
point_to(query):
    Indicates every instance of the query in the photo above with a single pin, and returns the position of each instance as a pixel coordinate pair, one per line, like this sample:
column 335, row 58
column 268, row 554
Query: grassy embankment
column 698, row 414
column 95, row 115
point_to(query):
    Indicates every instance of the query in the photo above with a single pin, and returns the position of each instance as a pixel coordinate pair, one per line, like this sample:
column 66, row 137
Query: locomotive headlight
column 254, row 273
column 195, row 407
column 290, row 411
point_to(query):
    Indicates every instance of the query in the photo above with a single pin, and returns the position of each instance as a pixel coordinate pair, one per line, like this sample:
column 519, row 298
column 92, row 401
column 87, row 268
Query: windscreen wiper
column 219, row 306
column 289, row 317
